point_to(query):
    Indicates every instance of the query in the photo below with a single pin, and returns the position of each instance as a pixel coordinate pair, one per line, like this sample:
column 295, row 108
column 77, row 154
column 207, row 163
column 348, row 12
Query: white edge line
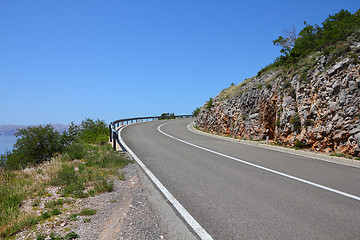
column 340, row 162
column 264, row 168
column 182, row 211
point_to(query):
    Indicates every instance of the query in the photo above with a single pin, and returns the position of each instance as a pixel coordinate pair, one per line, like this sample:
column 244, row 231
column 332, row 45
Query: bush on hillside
column 40, row 143
column 336, row 28
column 296, row 121
column 196, row 112
column 209, row 104
column 93, row 131
column 33, row 146
column 167, row 116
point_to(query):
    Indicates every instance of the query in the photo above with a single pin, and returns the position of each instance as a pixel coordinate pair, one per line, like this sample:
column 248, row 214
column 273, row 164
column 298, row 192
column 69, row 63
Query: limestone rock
column 328, row 106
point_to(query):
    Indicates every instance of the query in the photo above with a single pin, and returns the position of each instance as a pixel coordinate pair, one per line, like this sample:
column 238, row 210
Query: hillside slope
column 314, row 103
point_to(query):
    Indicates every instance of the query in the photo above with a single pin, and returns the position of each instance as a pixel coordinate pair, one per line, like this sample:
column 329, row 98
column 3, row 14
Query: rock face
column 316, row 103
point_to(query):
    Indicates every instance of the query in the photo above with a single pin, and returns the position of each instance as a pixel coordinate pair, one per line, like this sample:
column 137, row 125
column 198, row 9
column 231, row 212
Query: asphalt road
column 234, row 200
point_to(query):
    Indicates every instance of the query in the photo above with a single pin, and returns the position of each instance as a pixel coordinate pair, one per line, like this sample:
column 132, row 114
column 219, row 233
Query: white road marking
column 350, row 163
column 182, row 211
column 263, row 168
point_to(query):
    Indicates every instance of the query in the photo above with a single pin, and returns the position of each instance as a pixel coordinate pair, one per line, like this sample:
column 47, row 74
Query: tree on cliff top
column 288, row 42
column 335, row 28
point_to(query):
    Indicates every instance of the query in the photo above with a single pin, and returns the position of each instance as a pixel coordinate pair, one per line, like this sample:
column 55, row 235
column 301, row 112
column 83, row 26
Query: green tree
column 196, row 111
column 93, row 131
column 288, row 42
column 335, row 28
column 34, row 145
column 167, row 116
column 209, row 103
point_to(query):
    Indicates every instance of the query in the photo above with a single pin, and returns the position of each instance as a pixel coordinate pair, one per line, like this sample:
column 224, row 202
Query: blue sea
column 6, row 143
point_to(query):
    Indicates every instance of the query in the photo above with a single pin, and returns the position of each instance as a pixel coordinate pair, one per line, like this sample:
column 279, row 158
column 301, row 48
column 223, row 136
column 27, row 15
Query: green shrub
column 94, row 131
column 34, row 145
column 72, row 183
column 103, row 156
column 196, row 111
column 40, row 236
column 296, row 122
column 45, row 215
column 55, row 211
column 165, row 116
column 72, row 235
column 104, row 186
column 209, row 103
column 338, row 155
column 54, row 236
column 298, row 144
column 75, row 151
column 92, row 192
column 336, row 28
column 54, row 203
column 73, row 217
column 88, row 212
column 65, row 176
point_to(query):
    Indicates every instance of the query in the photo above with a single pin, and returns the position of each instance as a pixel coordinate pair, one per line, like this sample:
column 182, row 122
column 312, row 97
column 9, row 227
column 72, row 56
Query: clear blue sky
column 66, row 60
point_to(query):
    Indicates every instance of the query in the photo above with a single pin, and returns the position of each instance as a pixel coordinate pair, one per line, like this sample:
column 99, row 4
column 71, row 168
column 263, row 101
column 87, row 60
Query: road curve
column 236, row 200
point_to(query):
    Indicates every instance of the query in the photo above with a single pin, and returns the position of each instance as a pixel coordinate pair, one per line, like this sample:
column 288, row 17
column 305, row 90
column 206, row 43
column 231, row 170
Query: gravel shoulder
column 124, row 213
column 134, row 210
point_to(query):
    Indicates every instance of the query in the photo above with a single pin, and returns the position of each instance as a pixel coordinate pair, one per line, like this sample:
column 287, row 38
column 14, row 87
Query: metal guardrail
column 122, row 122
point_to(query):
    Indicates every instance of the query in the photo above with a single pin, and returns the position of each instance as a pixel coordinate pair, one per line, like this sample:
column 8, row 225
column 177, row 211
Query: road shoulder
column 305, row 153
column 169, row 221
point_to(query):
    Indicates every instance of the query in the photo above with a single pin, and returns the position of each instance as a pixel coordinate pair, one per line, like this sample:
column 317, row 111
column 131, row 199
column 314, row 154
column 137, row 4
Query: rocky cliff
column 314, row 103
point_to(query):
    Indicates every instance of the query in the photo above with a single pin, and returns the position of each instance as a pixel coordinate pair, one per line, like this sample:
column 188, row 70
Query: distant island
column 10, row 129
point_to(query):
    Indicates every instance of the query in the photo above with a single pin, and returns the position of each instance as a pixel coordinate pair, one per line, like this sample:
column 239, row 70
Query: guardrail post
column 110, row 132
column 114, row 138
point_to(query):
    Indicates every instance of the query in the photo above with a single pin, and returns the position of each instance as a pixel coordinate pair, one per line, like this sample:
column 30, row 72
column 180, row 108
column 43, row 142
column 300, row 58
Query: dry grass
column 233, row 90
column 17, row 186
column 20, row 188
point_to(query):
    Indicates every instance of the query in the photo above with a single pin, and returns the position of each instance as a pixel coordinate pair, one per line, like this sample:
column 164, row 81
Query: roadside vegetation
column 301, row 50
column 196, row 111
column 77, row 163
column 331, row 40
column 165, row 116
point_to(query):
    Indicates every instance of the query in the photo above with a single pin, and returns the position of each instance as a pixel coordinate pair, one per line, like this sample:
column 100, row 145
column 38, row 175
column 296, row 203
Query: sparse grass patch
column 92, row 192
column 55, row 211
column 298, row 145
column 53, row 203
column 71, row 235
column 341, row 155
column 87, row 212
column 35, row 202
column 40, row 236
column 45, row 215
column 121, row 176
column 73, row 217
column 104, row 186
